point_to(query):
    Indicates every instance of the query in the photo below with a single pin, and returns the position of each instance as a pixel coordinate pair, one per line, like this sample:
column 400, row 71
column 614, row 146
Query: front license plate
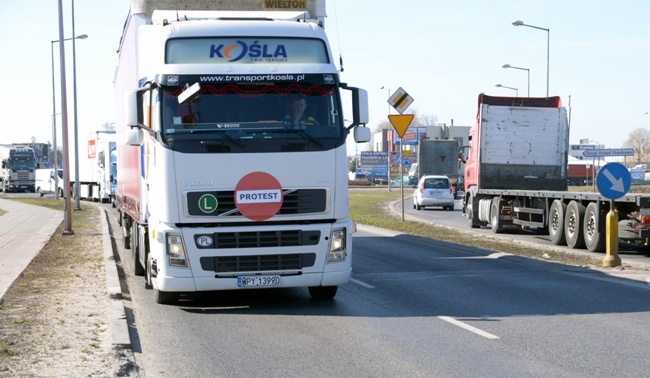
column 251, row 281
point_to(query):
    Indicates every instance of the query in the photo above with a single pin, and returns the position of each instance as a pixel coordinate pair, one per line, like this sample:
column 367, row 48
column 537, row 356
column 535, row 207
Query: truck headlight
column 175, row 250
column 337, row 246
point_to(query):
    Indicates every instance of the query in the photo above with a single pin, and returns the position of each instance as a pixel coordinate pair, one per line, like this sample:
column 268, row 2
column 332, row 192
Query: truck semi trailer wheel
column 594, row 239
column 138, row 269
column 556, row 222
column 126, row 232
column 573, row 225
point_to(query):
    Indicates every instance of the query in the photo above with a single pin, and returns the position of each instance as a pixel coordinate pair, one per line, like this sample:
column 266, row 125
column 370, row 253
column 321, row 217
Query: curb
column 124, row 360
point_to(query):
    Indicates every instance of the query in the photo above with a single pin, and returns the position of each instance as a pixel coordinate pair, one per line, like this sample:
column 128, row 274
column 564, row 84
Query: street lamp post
column 520, row 68
column 548, row 40
column 503, row 86
column 74, row 107
column 54, row 145
column 67, row 215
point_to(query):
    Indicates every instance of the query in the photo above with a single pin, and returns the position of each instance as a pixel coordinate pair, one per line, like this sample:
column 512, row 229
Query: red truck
column 580, row 174
column 516, row 177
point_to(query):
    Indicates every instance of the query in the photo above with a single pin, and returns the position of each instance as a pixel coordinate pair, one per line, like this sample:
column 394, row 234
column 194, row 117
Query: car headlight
column 175, row 250
column 337, row 246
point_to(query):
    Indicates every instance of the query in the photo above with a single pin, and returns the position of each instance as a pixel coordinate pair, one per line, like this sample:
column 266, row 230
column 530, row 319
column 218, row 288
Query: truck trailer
column 97, row 168
column 221, row 186
column 18, row 169
column 516, row 177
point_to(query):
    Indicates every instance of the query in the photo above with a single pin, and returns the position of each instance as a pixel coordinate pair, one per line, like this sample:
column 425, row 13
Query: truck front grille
column 257, row 239
column 258, row 263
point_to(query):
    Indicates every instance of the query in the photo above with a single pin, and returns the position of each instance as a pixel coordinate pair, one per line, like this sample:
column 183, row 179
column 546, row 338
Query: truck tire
column 471, row 211
column 165, row 297
column 143, row 251
column 39, row 191
column 138, row 269
column 556, row 222
column 574, row 225
column 594, row 239
column 495, row 222
column 323, row 292
column 148, row 277
column 126, row 232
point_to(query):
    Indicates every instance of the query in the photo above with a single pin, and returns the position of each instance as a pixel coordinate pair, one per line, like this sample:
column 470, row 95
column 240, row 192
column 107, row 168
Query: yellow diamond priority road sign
column 400, row 100
column 400, row 122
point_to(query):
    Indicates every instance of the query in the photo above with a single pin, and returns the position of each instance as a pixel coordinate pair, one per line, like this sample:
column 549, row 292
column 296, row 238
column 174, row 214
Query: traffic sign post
column 613, row 181
column 400, row 100
column 600, row 152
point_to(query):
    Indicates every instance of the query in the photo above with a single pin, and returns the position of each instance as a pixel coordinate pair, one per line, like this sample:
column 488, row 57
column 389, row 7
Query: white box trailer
column 97, row 167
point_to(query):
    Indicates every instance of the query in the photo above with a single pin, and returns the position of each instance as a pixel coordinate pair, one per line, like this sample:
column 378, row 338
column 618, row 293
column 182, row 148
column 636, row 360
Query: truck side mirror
column 360, row 106
column 361, row 134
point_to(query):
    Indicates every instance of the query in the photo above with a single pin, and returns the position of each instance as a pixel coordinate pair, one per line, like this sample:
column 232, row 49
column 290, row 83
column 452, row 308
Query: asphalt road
column 629, row 253
column 415, row 307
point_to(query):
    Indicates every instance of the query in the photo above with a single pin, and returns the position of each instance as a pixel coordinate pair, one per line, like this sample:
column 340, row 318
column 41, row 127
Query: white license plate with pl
column 257, row 281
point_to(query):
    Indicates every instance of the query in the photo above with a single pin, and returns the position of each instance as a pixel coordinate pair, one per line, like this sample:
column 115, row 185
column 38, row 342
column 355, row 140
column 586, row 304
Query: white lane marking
column 468, row 327
column 367, row 286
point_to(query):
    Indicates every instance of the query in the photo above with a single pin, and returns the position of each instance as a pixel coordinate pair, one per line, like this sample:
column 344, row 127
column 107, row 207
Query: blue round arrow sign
column 613, row 180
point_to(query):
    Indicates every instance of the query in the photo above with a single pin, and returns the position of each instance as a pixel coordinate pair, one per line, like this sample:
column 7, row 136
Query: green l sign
column 208, row 203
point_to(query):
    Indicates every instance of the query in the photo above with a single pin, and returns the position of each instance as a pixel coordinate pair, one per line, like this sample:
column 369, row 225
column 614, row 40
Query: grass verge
column 373, row 208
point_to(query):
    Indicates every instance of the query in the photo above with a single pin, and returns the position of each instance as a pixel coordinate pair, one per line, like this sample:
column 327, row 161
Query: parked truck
column 516, row 176
column 218, row 188
column 437, row 157
column 18, row 168
column 97, row 168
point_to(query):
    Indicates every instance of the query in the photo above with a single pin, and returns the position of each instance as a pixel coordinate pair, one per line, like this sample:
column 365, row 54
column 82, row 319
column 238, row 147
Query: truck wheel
column 165, row 297
column 148, row 280
column 495, row 222
column 573, row 225
column 126, row 234
column 138, row 269
column 39, row 191
column 594, row 239
column 60, row 193
column 471, row 211
column 556, row 222
column 323, row 292
column 143, row 251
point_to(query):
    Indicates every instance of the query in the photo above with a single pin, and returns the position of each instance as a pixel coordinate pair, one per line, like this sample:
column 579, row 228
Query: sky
column 442, row 53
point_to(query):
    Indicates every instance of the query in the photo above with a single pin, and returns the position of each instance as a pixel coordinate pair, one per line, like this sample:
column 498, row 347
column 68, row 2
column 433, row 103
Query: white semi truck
column 17, row 168
column 221, row 186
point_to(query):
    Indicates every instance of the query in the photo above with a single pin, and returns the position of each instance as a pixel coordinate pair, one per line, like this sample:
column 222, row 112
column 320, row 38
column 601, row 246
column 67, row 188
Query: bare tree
column 639, row 140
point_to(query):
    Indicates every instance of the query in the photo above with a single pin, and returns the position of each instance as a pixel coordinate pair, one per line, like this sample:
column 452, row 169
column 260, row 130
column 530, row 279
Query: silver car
column 434, row 191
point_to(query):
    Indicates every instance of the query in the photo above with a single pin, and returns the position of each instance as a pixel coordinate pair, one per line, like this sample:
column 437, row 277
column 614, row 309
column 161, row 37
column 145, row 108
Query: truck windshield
column 22, row 163
column 253, row 117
